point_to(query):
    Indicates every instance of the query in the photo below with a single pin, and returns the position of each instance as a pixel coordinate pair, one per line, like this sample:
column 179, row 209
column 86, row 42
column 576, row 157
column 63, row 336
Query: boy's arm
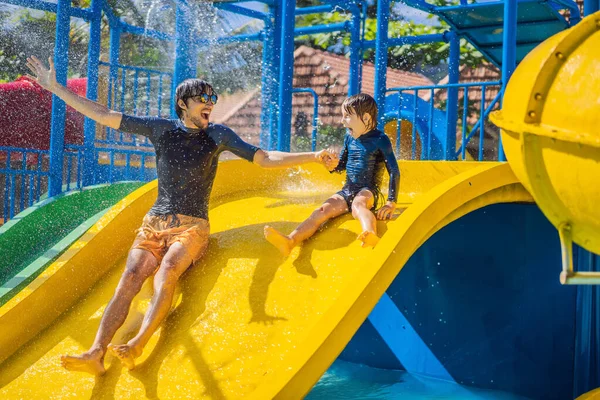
column 280, row 159
column 46, row 78
column 391, row 165
column 343, row 159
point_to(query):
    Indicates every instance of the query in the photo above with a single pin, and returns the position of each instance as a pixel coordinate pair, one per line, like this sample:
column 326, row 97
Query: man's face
column 352, row 122
column 198, row 111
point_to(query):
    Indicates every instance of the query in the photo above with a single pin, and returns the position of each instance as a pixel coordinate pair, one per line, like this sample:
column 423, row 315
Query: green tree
column 406, row 57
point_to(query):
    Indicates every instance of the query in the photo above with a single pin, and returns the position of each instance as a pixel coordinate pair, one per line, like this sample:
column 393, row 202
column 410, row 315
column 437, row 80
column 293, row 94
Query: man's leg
column 140, row 265
column 176, row 261
column 361, row 210
column 333, row 207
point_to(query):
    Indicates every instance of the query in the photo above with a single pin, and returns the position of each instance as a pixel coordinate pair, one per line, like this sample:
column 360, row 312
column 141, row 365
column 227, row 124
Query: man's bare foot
column 283, row 243
column 368, row 239
column 126, row 353
column 91, row 362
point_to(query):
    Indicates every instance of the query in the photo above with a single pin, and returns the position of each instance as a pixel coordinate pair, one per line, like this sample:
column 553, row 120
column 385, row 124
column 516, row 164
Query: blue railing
column 136, row 91
column 74, row 166
column 114, row 165
column 440, row 129
column 23, row 178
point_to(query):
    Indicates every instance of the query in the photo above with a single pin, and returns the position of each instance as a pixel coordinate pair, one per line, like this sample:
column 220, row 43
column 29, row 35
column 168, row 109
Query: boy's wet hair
column 361, row 104
column 190, row 88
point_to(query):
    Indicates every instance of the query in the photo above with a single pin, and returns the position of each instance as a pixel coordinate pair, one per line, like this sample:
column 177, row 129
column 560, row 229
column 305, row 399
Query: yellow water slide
column 246, row 322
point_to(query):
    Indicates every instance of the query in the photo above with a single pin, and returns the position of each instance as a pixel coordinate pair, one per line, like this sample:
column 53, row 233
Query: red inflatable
column 25, row 109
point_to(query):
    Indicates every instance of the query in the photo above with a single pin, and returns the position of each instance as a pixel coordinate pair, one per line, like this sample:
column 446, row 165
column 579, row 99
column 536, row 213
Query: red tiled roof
column 327, row 74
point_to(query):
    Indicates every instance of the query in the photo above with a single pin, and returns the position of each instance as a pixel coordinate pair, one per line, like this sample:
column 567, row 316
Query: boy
column 363, row 155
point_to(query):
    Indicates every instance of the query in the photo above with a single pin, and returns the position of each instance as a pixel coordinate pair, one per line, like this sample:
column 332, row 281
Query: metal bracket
column 568, row 276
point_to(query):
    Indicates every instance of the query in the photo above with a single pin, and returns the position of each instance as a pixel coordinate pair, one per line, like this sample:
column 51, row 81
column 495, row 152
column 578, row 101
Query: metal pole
column 452, row 105
column 59, row 108
column 275, row 66
column 355, row 51
column 89, row 127
column 285, row 76
column 266, row 85
column 381, row 56
column 186, row 52
column 590, row 7
column 509, row 53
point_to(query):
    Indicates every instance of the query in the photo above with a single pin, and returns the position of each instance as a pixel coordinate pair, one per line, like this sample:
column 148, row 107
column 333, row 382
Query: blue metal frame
column 277, row 38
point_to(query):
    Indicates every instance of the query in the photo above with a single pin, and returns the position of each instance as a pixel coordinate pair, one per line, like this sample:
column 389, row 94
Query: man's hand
column 328, row 157
column 386, row 211
column 45, row 77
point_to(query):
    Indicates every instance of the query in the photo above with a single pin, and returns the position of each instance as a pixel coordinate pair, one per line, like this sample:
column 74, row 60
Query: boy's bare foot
column 368, row 239
column 283, row 243
column 91, row 362
column 126, row 353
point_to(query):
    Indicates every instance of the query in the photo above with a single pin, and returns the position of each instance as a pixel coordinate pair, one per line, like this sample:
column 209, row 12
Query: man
column 174, row 233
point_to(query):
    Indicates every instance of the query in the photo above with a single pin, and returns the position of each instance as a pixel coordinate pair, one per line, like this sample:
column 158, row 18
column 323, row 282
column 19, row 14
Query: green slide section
column 38, row 229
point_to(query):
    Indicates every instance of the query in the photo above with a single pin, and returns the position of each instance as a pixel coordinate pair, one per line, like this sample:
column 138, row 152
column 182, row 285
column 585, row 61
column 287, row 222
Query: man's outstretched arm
column 46, row 78
column 280, row 159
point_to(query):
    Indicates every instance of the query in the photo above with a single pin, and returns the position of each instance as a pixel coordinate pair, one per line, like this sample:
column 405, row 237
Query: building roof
column 324, row 72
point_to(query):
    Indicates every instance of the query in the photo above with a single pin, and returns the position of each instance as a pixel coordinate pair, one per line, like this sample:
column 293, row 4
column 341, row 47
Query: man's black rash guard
column 186, row 161
column 363, row 160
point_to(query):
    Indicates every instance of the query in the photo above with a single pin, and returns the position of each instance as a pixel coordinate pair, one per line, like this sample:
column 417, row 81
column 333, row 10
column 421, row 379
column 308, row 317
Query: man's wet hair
column 361, row 104
column 190, row 88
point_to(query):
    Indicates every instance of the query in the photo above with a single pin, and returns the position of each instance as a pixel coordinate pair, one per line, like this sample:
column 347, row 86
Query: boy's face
column 354, row 124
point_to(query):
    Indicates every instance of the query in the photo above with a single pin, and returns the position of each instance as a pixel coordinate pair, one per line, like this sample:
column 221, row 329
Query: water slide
column 246, row 323
column 32, row 239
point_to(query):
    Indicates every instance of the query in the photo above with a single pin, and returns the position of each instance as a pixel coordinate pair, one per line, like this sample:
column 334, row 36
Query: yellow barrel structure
column 550, row 123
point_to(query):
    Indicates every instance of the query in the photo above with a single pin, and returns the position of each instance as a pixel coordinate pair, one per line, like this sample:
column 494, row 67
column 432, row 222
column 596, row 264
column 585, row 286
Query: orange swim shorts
column 159, row 232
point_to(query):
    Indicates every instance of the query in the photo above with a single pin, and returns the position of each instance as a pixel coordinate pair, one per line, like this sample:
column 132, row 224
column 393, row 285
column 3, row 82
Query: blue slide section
column 431, row 130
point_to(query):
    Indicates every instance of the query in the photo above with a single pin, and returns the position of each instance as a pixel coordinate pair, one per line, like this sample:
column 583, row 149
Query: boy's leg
column 361, row 210
column 178, row 259
column 333, row 207
column 140, row 265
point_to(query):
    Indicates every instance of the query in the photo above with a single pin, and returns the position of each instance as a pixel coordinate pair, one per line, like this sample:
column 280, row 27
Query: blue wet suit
column 363, row 159
column 186, row 161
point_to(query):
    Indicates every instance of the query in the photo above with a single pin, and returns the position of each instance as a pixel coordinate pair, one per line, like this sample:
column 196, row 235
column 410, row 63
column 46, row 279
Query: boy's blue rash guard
column 186, row 161
column 363, row 160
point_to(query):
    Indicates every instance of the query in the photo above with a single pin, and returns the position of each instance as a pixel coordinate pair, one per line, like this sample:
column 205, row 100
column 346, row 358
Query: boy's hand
column 386, row 211
column 45, row 77
column 323, row 154
column 331, row 163
column 328, row 157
